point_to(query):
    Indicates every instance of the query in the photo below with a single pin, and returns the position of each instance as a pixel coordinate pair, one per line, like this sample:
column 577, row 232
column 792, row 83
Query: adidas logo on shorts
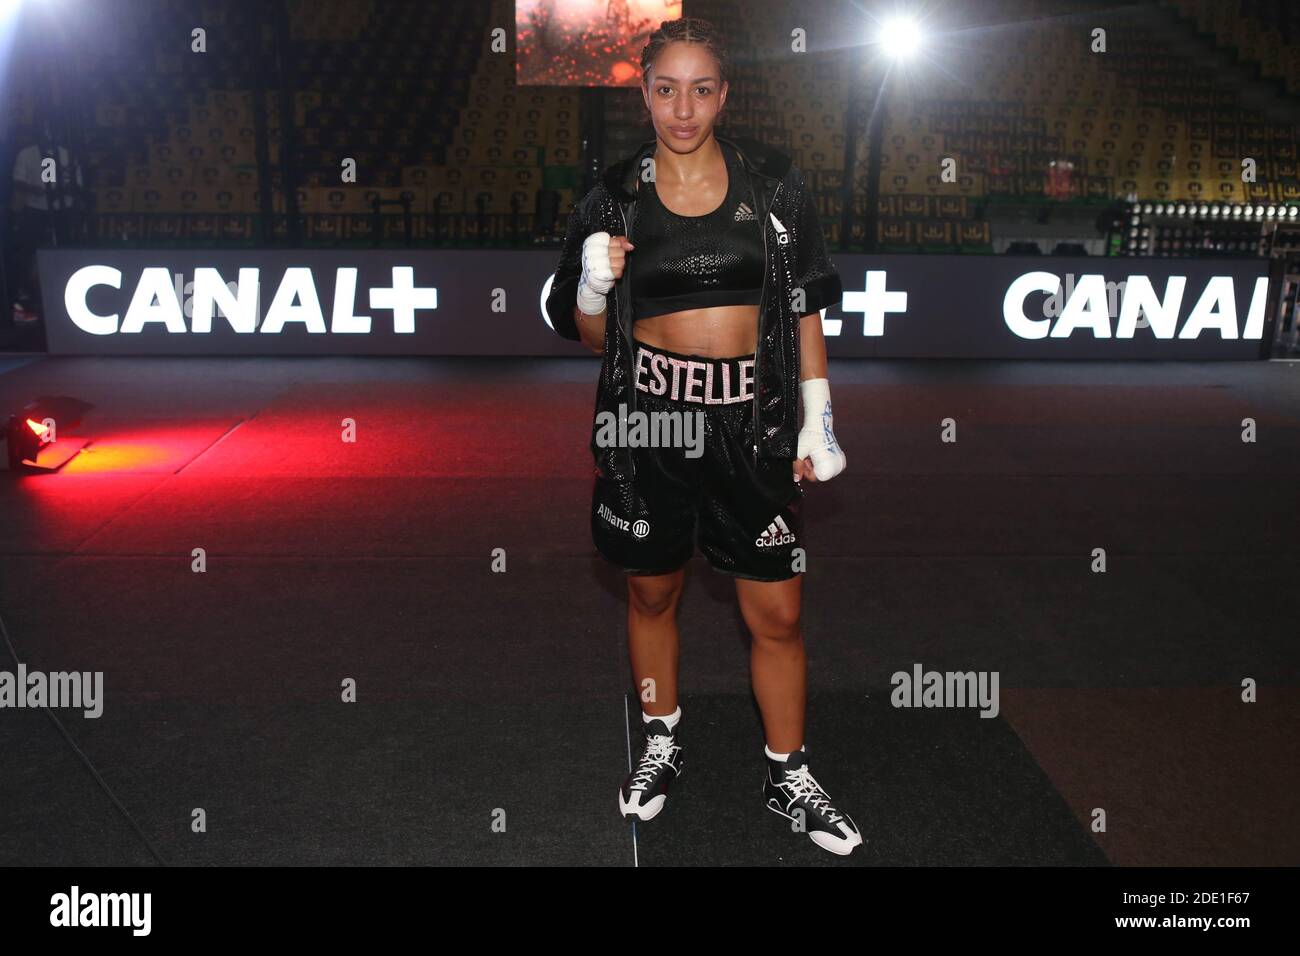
column 778, row 532
column 744, row 213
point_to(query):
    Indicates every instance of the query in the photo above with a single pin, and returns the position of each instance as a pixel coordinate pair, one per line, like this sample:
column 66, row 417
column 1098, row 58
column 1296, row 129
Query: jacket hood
column 620, row 177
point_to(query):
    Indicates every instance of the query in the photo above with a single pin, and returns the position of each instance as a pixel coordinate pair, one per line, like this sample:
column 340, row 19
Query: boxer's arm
column 812, row 347
column 818, row 456
column 561, row 304
column 591, row 329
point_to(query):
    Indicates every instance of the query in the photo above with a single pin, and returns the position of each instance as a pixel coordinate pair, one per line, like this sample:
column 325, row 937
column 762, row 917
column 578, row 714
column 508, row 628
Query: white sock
column 670, row 720
column 780, row 757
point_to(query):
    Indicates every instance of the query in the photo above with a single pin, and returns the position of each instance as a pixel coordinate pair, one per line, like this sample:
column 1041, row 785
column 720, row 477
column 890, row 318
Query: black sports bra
column 692, row 262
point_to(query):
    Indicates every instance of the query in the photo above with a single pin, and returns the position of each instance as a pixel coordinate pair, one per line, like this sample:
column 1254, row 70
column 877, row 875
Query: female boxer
column 695, row 259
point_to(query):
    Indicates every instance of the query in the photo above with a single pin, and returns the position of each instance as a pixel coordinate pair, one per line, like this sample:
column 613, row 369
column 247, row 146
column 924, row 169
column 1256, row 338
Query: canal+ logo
column 159, row 299
column 1088, row 305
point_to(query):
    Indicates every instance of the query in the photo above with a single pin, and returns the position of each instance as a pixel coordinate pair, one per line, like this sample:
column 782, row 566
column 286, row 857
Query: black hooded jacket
column 796, row 262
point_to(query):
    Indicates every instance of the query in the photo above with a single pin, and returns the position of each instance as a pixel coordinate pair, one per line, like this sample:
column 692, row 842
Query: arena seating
column 1236, row 24
column 1040, row 116
column 1024, row 109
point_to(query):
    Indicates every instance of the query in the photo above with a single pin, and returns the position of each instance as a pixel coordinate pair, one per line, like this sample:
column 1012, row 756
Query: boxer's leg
column 646, row 526
column 652, row 638
column 778, row 663
column 750, row 528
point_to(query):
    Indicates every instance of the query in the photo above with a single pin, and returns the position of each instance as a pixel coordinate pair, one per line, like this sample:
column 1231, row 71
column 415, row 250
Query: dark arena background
column 330, row 547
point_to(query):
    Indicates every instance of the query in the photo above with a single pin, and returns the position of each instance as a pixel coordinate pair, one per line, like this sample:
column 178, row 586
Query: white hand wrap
column 816, row 440
column 597, row 276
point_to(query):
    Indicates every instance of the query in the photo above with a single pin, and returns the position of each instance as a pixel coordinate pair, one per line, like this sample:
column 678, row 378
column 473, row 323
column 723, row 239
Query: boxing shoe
column 645, row 790
column 791, row 791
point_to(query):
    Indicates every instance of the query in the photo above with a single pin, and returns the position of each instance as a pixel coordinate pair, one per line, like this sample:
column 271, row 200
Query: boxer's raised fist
column 618, row 249
column 604, row 258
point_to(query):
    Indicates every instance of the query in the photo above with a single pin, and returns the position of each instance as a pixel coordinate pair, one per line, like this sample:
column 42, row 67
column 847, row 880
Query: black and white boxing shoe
column 646, row 788
column 792, row 792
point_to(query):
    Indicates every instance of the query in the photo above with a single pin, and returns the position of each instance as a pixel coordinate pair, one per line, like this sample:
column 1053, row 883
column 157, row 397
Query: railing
column 252, row 230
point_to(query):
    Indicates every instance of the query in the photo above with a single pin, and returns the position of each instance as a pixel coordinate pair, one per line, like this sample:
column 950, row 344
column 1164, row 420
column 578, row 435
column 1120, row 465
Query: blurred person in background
column 38, row 199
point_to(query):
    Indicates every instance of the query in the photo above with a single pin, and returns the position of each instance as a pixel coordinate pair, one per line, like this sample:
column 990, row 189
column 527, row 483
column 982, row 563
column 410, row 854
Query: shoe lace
column 658, row 753
column 804, row 787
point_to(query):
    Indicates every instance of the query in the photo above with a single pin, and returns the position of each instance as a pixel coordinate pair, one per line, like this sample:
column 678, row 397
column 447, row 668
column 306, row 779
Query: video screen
column 585, row 42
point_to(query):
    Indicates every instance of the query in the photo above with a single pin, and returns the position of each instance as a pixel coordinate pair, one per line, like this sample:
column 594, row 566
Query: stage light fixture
column 32, row 435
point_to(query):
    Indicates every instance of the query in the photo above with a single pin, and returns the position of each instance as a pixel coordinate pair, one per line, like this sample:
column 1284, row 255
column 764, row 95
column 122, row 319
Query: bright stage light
column 34, row 444
column 900, row 37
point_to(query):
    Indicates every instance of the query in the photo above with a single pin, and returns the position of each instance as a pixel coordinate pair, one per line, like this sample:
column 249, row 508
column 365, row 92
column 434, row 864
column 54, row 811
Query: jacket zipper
column 762, row 312
column 626, row 329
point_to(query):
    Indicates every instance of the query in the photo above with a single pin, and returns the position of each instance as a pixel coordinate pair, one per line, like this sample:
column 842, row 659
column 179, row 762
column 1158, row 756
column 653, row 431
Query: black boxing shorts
column 694, row 475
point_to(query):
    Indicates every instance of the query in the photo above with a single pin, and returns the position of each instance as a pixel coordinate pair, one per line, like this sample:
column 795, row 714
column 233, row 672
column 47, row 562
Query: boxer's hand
column 603, row 261
column 618, row 249
column 819, row 456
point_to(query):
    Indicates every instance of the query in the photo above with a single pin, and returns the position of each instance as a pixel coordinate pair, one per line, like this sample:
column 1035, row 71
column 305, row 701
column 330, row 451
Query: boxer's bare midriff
column 720, row 331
